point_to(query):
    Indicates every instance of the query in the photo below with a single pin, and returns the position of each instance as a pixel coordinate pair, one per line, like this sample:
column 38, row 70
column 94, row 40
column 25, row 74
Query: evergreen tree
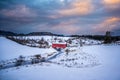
column 107, row 39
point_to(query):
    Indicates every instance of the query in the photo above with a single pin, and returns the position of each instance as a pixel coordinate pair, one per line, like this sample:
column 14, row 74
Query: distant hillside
column 7, row 33
column 96, row 37
column 40, row 33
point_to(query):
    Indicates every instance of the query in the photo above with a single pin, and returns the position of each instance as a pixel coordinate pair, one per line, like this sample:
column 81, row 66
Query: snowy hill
column 94, row 62
column 74, row 58
column 10, row 49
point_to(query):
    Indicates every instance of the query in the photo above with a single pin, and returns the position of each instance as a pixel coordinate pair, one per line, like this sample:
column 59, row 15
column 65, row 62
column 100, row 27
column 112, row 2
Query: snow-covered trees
column 80, row 41
column 25, row 40
column 43, row 44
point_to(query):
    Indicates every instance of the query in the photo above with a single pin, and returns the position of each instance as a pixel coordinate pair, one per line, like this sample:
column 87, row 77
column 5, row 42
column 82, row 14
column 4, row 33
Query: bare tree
column 80, row 42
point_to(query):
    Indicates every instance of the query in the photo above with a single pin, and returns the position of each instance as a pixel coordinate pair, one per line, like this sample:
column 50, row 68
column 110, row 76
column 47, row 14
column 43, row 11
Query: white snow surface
column 108, row 55
column 10, row 50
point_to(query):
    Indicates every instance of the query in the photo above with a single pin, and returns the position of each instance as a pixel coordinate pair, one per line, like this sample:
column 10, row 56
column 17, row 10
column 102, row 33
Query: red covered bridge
column 59, row 45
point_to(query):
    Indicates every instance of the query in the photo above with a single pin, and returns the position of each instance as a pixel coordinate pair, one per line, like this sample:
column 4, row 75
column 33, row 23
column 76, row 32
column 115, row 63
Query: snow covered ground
column 10, row 50
column 108, row 56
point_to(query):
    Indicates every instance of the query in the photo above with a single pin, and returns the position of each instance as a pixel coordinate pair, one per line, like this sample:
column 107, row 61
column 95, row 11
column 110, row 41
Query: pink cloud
column 65, row 27
column 108, row 24
column 68, row 27
column 111, row 4
column 82, row 7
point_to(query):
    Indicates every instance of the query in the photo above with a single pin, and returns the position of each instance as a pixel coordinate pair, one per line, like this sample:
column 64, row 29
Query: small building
column 59, row 45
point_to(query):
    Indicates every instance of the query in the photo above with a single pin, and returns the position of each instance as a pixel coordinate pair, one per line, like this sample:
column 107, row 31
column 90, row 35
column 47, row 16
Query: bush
column 20, row 61
column 36, row 59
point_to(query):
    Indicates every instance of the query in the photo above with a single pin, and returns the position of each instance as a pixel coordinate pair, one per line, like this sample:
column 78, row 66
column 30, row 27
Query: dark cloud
column 59, row 16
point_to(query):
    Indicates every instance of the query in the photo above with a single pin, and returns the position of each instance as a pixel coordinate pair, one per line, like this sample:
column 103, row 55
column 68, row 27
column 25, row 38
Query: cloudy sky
column 60, row 16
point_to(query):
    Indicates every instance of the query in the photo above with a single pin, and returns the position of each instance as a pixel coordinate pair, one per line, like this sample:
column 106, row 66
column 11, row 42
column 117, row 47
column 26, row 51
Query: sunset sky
column 60, row 16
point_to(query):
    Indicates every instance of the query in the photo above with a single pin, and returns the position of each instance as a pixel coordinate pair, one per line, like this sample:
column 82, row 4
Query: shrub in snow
column 38, row 56
column 36, row 59
column 19, row 61
column 1, row 66
column 67, row 51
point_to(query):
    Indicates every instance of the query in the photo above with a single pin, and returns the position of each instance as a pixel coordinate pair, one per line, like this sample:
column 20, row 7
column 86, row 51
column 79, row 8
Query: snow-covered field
column 10, row 49
column 106, row 56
